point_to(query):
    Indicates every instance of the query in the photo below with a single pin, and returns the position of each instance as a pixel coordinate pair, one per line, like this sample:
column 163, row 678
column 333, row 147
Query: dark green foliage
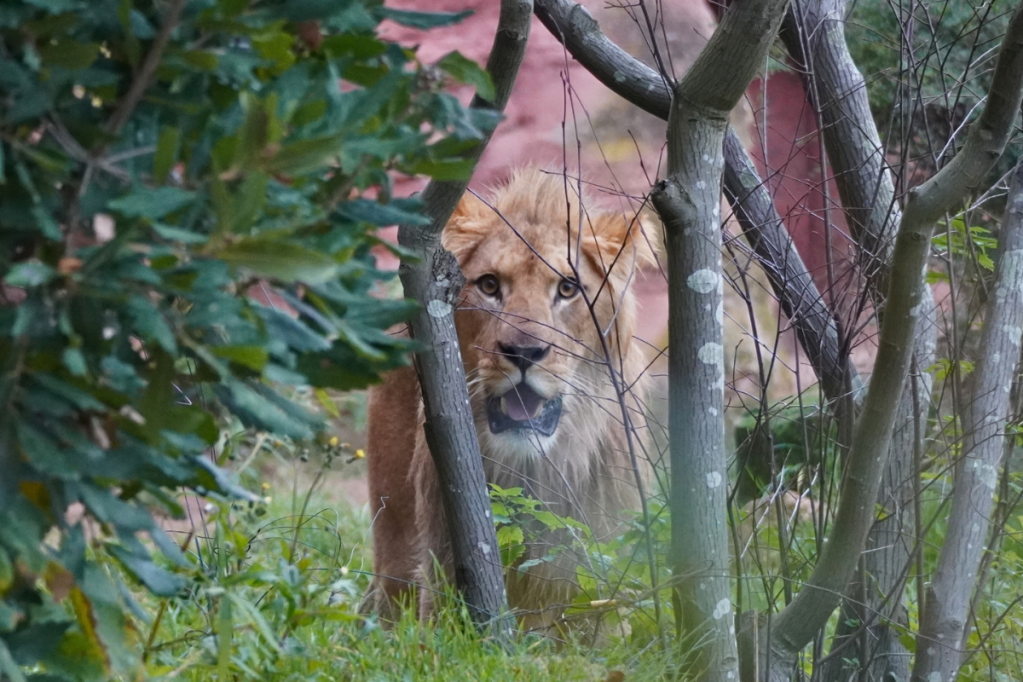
column 774, row 449
column 923, row 89
column 243, row 184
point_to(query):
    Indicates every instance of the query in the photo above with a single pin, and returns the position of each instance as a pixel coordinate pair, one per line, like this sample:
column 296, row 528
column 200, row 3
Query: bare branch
column 434, row 279
column 948, row 601
column 791, row 282
column 966, row 172
column 147, row 70
column 814, row 35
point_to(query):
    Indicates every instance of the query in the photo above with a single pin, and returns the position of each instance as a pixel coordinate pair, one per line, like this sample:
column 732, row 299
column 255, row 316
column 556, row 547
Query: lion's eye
column 489, row 285
column 567, row 288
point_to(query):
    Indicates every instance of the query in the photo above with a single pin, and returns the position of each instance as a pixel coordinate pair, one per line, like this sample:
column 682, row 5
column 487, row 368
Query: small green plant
column 272, row 595
column 972, row 242
column 612, row 575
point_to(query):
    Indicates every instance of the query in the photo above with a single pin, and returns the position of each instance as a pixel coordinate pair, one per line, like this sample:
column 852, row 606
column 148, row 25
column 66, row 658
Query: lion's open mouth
column 523, row 408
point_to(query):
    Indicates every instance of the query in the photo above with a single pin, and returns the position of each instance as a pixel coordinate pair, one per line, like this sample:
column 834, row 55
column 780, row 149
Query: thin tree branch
column 814, row 35
column 976, row 475
column 434, row 278
column 147, row 70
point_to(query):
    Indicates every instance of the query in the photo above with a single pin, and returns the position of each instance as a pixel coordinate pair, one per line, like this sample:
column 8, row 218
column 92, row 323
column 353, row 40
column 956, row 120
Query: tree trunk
column 774, row 643
column 434, row 278
column 976, row 474
column 814, row 35
column 688, row 202
column 799, row 622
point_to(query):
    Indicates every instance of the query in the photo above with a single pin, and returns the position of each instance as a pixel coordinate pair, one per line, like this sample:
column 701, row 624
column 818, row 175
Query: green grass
column 283, row 578
column 275, row 588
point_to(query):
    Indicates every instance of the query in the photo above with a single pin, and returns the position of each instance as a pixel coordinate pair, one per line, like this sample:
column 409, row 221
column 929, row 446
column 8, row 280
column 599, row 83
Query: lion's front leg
column 433, row 549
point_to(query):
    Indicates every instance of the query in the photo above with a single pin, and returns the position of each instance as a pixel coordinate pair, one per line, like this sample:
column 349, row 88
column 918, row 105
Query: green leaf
column 30, row 274
column 304, row 156
column 160, row 582
column 6, row 571
column 203, row 60
column 282, row 261
column 152, row 203
column 262, row 626
column 225, row 633
column 260, row 411
column 381, row 215
column 296, row 334
column 240, row 210
column 30, row 645
column 253, row 357
column 97, row 600
column 75, row 361
column 509, row 535
column 358, row 46
column 447, row 169
column 465, row 70
column 45, row 454
column 69, row 53
column 422, row 20
column 166, row 152
column 8, row 666
column 149, row 323
column 9, row 617
column 327, row 403
column 72, row 394
column 176, row 234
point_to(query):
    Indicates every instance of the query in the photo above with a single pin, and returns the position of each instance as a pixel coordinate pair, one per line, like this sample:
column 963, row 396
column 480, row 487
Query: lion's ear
column 469, row 207
column 636, row 238
column 466, row 226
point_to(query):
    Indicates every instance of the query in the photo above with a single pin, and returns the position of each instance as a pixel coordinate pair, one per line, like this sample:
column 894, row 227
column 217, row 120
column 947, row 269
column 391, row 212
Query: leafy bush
column 956, row 39
column 189, row 195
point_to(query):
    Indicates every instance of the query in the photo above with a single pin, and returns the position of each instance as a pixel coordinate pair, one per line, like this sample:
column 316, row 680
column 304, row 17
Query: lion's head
column 546, row 309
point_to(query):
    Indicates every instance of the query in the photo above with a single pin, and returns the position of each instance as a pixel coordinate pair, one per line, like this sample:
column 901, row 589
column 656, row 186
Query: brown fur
column 529, row 239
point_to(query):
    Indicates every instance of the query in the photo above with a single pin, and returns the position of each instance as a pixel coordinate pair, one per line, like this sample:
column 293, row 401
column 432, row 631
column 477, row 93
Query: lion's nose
column 524, row 356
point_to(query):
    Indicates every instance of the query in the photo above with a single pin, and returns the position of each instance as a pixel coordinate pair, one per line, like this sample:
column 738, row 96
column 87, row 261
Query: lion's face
column 543, row 309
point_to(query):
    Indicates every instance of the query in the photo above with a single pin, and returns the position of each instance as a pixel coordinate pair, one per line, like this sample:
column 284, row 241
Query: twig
column 147, row 70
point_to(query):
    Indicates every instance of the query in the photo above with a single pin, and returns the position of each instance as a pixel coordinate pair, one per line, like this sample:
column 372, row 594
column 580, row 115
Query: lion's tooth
column 504, row 405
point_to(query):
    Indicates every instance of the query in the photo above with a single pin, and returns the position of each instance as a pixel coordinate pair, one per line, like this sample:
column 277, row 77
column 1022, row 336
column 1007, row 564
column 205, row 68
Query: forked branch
column 797, row 624
column 939, row 654
column 814, row 35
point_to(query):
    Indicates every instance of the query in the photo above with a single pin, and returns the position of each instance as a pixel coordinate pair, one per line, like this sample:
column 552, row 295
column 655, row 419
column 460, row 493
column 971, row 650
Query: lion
column 545, row 326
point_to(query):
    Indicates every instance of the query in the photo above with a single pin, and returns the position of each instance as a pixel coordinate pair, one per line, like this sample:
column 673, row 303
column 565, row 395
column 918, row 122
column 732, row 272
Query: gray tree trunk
column 814, row 35
column 434, row 279
column 939, row 655
column 688, row 202
column 799, row 622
